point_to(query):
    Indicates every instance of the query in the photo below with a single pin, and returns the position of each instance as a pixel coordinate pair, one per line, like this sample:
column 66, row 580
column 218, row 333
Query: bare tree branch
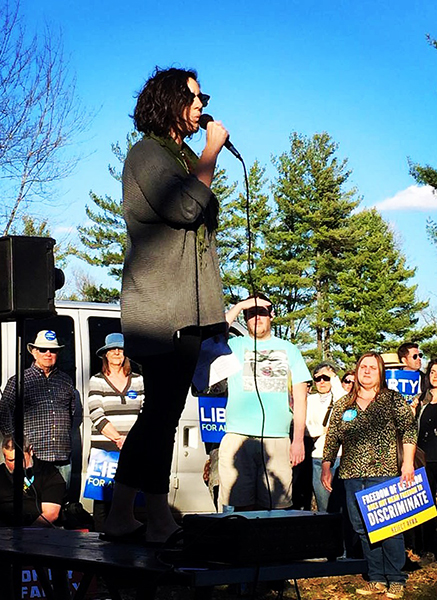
column 40, row 115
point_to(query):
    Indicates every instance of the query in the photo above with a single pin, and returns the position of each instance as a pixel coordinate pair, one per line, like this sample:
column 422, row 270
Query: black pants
column 145, row 459
column 429, row 527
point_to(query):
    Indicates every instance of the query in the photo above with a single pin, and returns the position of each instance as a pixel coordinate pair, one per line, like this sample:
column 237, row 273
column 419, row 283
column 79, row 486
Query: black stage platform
column 131, row 566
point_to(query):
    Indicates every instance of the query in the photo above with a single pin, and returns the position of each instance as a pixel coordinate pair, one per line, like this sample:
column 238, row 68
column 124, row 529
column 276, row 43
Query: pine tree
column 32, row 226
column 305, row 251
column 427, row 175
column 232, row 236
column 106, row 239
column 375, row 304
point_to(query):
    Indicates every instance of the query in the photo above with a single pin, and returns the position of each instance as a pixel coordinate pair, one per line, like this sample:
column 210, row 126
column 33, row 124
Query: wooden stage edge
column 128, row 565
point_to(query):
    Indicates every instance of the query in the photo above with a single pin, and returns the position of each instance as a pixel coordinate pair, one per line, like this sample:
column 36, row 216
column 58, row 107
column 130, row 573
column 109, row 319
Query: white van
column 82, row 327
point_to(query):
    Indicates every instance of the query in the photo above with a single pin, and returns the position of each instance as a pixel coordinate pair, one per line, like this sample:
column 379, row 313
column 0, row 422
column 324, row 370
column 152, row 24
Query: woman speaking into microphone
column 171, row 294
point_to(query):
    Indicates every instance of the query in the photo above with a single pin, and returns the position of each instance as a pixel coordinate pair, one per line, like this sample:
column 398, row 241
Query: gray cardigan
column 171, row 277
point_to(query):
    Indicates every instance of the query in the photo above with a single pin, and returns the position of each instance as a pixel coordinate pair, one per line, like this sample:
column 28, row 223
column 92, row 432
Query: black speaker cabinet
column 27, row 277
column 262, row 537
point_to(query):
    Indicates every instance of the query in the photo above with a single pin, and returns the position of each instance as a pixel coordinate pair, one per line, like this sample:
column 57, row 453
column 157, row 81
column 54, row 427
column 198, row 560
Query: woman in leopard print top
column 365, row 423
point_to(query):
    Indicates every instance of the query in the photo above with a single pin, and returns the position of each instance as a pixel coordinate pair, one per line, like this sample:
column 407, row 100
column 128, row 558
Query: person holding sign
column 115, row 398
column 365, row 423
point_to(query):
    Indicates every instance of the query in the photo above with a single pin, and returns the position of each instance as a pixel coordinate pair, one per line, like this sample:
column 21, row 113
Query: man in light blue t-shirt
column 256, row 456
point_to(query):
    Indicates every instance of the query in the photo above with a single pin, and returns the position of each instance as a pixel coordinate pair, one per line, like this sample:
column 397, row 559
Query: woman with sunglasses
column 171, row 294
column 319, row 408
column 365, row 424
column 347, row 381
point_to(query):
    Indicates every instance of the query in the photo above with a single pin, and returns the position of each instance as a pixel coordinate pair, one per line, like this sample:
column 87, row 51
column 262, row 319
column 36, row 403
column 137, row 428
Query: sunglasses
column 258, row 310
column 349, row 381
column 320, row 378
column 204, row 98
column 45, row 350
column 419, row 355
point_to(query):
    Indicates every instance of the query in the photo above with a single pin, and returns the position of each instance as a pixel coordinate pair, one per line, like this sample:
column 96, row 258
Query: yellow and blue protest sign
column 212, row 417
column 405, row 382
column 391, row 507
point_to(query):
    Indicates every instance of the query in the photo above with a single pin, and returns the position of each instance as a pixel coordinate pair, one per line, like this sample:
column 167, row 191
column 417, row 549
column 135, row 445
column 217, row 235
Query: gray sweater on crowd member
column 171, row 277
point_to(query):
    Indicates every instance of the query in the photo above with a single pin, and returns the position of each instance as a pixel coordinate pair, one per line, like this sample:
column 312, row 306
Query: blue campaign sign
column 391, row 507
column 405, row 382
column 102, row 466
column 212, row 417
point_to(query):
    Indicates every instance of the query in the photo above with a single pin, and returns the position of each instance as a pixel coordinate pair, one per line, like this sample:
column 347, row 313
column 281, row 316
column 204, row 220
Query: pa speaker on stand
column 28, row 277
column 28, row 282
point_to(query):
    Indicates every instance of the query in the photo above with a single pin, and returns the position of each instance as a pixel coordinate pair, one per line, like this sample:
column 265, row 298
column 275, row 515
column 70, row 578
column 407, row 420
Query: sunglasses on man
column 320, row 378
column 418, row 355
column 45, row 350
column 262, row 311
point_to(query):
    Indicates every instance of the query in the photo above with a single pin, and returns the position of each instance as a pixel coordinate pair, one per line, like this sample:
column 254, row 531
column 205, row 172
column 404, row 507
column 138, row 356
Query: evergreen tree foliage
column 99, row 293
column 31, row 226
column 427, row 175
column 339, row 283
column 232, row 235
column 374, row 303
column 305, row 249
column 105, row 241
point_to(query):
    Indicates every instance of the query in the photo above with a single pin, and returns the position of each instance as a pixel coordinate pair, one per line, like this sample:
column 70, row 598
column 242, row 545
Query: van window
column 98, row 329
column 63, row 326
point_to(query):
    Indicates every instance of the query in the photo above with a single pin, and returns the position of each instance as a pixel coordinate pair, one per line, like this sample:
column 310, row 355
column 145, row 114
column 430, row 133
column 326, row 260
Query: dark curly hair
column 162, row 102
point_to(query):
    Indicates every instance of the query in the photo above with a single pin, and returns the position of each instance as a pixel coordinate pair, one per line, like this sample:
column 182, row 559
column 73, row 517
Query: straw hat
column 391, row 360
column 45, row 339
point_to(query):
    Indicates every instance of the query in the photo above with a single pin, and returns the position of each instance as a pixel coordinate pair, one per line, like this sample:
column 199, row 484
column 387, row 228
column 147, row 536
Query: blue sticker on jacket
column 349, row 415
column 132, row 394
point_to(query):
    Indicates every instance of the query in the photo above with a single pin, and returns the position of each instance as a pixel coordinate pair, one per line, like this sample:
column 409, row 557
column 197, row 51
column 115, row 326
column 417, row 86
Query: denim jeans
column 384, row 559
column 322, row 495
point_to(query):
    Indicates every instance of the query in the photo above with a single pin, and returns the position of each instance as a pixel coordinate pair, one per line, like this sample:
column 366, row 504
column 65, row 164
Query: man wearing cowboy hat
column 49, row 401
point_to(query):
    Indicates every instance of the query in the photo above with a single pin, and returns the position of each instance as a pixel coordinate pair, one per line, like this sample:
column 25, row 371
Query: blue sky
column 362, row 71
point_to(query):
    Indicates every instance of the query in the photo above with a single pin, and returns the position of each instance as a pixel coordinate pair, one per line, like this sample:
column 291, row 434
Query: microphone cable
column 255, row 344
column 203, row 121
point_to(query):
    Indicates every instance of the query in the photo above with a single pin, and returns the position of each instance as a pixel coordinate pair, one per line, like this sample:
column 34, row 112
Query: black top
column 428, row 432
column 46, row 485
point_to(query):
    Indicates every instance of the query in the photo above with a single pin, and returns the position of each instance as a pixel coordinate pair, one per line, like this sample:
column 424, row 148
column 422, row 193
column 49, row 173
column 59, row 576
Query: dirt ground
column 421, row 585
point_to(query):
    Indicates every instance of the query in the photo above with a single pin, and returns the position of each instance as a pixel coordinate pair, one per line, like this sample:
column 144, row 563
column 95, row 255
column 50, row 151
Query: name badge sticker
column 50, row 335
column 132, row 394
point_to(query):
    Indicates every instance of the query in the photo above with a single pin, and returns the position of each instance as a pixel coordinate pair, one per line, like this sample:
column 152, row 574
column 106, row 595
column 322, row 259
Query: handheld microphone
column 203, row 122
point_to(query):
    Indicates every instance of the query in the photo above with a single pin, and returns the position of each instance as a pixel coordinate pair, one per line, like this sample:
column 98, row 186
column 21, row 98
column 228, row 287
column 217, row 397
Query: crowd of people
column 289, row 434
column 350, row 426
